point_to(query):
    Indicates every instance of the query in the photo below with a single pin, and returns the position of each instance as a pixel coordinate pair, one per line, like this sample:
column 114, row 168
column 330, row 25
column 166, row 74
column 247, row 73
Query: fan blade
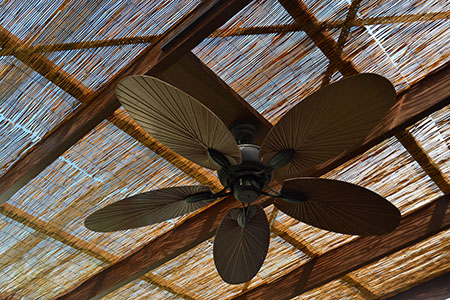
column 329, row 122
column 240, row 252
column 339, row 206
column 145, row 209
column 177, row 120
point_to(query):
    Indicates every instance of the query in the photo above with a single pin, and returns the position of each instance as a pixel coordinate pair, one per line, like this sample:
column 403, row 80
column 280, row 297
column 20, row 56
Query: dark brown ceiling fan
column 318, row 128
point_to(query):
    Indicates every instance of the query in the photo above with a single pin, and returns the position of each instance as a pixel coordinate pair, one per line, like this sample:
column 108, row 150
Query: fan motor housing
column 248, row 178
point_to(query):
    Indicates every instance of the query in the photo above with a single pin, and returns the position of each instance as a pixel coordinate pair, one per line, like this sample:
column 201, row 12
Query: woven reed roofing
column 56, row 54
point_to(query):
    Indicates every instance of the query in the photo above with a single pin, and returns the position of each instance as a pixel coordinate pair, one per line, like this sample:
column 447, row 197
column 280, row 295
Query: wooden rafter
column 427, row 164
column 322, row 40
column 429, row 95
column 345, row 30
column 301, row 14
column 78, row 90
column 54, row 232
column 102, row 104
column 423, row 17
column 415, row 227
column 283, row 232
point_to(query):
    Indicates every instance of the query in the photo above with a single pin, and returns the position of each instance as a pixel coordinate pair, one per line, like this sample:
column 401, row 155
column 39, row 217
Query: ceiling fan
column 316, row 129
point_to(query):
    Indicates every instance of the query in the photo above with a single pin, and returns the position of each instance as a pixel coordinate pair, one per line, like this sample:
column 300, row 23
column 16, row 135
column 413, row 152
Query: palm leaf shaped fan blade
column 177, row 120
column 241, row 244
column 328, row 122
column 318, row 128
column 148, row 208
column 337, row 206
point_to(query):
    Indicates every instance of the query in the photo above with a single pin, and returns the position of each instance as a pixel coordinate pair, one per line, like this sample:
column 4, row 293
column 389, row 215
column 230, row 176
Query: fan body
column 248, row 179
column 319, row 127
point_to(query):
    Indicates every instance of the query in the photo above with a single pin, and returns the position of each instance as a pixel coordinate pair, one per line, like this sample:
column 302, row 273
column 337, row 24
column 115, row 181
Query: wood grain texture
column 335, row 263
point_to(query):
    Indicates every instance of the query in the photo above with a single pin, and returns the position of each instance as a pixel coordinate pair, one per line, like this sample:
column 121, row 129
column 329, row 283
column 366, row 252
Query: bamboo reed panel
column 107, row 165
column 242, row 58
column 245, row 30
column 30, row 107
column 44, row 230
column 98, row 171
column 411, row 266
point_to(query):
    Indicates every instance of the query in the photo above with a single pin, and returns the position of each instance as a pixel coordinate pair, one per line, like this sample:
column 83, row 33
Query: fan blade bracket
column 218, row 158
column 201, row 196
column 281, row 159
column 293, row 196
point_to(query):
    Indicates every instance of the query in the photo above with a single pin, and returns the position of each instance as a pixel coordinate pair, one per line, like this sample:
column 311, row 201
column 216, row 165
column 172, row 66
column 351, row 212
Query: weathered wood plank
column 335, row 263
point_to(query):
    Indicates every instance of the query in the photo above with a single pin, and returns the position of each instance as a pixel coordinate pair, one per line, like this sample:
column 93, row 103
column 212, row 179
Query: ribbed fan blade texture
column 145, row 209
column 340, row 207
column 329, row 122
column 240, row 252
column 177, row 120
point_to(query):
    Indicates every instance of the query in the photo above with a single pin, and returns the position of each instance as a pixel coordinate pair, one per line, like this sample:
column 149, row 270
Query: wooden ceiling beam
column 345, row 30
column 103, row 103
column 415, row 227
column 301, row 14
column 53, row 231
column 421, row 157
column 431, row 94
column 333, row 51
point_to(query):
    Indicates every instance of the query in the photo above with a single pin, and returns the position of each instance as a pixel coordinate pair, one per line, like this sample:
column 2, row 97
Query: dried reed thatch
column 56, row 54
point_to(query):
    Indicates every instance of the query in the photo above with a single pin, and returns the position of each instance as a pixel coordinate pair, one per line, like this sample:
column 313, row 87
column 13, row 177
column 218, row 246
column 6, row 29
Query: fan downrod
column 244, row 132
